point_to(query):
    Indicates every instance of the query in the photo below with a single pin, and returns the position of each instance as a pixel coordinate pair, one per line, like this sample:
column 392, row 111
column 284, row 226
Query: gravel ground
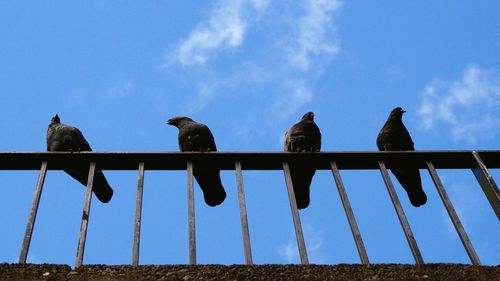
column 447, row 272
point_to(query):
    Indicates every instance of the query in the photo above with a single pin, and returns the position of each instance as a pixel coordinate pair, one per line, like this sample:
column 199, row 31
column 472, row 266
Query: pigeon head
column 308, row 116
column 176, row 121
column 397, row 112
column 55, row 120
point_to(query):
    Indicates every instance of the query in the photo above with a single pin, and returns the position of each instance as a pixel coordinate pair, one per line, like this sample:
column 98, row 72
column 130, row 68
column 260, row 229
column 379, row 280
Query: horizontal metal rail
column 478, row 161
column 248, row 160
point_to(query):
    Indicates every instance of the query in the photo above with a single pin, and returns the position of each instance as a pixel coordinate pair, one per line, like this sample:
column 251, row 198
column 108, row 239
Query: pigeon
column 61, row 137
column 194, row 136
column 394, row 137
column 303, row 136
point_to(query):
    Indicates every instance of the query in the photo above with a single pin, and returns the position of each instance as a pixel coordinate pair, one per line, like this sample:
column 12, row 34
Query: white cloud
column 289, row 252
column 226, row 27
column 295, row 98
column 314, row 243
column 468, row 108
column 299, row 39
column 315, row 32
column 205, row 93
column 313, row 45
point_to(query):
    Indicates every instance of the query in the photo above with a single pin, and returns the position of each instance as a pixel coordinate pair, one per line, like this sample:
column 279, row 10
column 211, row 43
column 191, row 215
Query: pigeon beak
column 403, row 111
column 169, row 122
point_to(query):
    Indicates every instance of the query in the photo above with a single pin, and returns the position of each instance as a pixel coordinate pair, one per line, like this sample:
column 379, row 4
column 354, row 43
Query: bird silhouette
column 302, row 136
column 394, row 137
column 194, row 136
column 61, row 137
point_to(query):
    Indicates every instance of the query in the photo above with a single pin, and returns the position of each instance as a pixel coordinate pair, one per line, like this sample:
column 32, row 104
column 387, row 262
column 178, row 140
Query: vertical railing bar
column 34, row 210
column 453, row 215
column 401, row 215
column 85, row 216
column 295, row 215
column 191, row 218
column 243, row 215
column 487, row 183
column 138, row 215
column 350, row 214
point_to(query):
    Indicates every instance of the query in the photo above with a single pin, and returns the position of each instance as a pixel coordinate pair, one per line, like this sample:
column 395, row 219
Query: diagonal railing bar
column 401, row 215
column 85, row 216
column 191, row 218
column 453, row 215
column 350, row 214
column 295, row 215
column 138, row 215
column 243, row 215
column 487, row 183
column 34, row 210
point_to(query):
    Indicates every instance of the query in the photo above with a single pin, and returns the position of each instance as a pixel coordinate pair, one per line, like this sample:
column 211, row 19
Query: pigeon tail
column 301, row 180
column 100, row 187
column 417, row 199
column 210, row 183
column 410, row 180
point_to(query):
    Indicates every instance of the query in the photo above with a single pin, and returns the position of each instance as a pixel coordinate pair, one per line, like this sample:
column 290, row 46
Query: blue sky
column 249, row 69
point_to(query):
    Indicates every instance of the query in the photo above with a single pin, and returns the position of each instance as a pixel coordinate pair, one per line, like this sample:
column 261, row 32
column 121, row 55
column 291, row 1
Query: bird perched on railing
column 394, row 137
column 61, row 137
column 302, row 136
column 194, row 136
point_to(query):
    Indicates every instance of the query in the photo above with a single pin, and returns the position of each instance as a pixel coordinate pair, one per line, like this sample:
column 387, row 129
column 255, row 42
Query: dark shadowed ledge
column 30, row 272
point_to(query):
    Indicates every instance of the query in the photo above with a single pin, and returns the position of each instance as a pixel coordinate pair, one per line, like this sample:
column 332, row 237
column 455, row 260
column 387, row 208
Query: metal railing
column 477, row 161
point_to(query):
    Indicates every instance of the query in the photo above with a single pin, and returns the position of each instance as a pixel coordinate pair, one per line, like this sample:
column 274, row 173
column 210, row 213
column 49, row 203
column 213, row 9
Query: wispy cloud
column 225, row 28
column 314, row 243
column 314, row 38
column 469, row 108
column 311, row 47
column 290, row 102
column 283, row 62
column 289, row 252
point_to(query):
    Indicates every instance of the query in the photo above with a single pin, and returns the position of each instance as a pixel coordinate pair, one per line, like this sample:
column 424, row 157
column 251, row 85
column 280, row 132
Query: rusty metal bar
column 350, row 214
column 34, row 209
column 453, row 215
column 243, row 215
column 295, row 215
column 85, row 216
column 138, row 215
column 191, row 219
column 401, row 215
column 487, row 183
